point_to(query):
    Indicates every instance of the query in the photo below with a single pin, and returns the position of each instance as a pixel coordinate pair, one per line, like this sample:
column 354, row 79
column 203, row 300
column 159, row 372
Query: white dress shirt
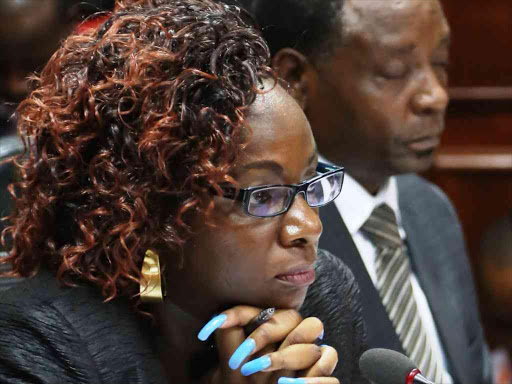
column 355, row 205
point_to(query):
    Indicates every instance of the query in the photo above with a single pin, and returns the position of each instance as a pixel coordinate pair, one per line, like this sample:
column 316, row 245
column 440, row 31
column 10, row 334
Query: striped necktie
column 395, row 289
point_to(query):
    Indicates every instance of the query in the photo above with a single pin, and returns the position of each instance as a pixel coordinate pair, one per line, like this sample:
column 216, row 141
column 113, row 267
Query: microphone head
column 384, row 366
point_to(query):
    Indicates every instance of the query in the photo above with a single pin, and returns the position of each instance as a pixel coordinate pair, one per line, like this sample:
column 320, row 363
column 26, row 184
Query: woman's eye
column 262, row 197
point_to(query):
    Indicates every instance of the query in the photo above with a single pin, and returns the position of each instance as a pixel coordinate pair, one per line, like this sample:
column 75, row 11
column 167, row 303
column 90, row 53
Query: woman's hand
column 278, row 351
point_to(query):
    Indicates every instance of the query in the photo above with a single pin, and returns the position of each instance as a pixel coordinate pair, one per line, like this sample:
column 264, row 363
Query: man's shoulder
column 413, row 183
column 415, row 191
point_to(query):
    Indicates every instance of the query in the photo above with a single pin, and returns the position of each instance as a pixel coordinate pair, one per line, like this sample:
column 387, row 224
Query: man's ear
column 295, row 68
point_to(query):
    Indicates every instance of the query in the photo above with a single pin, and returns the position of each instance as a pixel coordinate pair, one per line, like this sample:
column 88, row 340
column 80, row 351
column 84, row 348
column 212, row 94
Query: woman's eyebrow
column 271, row 165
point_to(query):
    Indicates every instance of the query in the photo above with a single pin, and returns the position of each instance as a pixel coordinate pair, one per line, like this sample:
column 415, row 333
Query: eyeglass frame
column 244, row 194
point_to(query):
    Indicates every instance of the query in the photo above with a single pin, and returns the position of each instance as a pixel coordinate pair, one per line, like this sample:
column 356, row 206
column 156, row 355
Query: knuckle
column 314, row 322
column 277, row 360
column 264, row 334
column 308, row 330
column 328, row 363
column 296, row 338
column 331, row 352
column 236, row 313
column 325, row 369
column 292, row 315
column 316, row 352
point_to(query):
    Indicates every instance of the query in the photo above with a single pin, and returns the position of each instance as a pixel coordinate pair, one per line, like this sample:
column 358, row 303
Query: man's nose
column 432, row 95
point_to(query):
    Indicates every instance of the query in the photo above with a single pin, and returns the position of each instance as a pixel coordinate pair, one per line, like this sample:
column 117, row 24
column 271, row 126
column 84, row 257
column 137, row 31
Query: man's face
column 381, row 97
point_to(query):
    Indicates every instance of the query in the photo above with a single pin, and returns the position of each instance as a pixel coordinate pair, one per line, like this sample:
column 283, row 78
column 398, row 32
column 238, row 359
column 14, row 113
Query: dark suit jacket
column 438, row 257
column 55, row 335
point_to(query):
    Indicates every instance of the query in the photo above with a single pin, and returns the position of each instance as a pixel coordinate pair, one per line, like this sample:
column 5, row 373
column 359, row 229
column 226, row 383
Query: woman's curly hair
column 131, row 127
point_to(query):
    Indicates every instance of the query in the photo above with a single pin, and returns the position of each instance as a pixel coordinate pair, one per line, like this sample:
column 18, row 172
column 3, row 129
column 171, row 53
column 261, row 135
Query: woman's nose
column 301, row 224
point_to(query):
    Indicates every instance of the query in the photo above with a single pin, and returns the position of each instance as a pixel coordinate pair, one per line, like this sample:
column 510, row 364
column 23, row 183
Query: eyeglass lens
column 324, row 190
column 274, row 200
column 269, row 201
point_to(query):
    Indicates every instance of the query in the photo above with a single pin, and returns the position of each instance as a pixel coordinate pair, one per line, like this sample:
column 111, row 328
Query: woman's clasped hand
column 282, row 350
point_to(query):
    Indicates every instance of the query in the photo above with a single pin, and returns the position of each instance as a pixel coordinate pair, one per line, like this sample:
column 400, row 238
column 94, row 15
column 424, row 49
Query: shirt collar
column 356, row 205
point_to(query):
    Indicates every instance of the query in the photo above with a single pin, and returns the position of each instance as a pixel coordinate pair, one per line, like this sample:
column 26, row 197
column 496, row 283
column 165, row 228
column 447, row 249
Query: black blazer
column 438, row 257
column 55, row 335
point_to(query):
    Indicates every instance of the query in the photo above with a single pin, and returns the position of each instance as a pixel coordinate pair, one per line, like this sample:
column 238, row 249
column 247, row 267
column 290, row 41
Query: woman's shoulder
column 44, row 291
column 37, row 339
column 70, row 335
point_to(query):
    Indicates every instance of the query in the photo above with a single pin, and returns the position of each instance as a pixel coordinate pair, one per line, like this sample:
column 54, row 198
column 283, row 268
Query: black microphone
column 384, row 366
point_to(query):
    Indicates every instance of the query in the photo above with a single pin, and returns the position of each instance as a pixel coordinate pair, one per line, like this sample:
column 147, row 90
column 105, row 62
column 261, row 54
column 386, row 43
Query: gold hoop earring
column 153, row 291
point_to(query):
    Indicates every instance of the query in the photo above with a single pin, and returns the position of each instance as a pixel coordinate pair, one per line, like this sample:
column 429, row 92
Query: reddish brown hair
column 130, row 128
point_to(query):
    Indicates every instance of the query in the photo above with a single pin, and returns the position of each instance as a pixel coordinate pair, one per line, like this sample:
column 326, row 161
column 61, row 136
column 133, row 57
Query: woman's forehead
column 274, row 106
column 280, row 130
column 272, row 97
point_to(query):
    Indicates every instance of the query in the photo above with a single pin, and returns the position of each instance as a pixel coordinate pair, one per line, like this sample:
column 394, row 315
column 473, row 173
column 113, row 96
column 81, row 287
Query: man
column 371, row 76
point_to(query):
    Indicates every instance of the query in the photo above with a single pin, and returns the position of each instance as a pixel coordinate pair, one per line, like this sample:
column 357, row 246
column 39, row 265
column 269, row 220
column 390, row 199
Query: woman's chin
column 292, row 300
column 279, row 299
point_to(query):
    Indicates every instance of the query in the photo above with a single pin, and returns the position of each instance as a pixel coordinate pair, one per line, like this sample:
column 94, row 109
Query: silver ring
column 260, row 319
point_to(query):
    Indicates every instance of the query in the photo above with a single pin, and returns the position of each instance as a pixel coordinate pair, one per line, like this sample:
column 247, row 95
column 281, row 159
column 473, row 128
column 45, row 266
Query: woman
column 162, row 138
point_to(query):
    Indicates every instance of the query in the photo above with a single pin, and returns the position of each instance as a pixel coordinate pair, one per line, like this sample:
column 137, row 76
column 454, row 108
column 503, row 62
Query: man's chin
column 417, row 163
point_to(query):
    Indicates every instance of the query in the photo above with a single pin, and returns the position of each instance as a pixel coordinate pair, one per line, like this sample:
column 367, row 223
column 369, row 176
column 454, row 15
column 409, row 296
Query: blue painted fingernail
column 211, row 326
column 289, row 380
column 321, row 335
column 256, row 365
column 241, row 353
column 324, row 345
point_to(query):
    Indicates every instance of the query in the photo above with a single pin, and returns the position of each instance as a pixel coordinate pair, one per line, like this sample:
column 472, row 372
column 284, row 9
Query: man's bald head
column 361, row 16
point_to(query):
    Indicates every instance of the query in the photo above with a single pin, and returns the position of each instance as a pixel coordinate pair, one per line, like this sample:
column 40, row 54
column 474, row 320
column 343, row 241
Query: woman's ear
column 295, row 68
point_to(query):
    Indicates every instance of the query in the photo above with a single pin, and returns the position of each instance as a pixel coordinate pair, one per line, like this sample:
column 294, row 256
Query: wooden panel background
column 474, row 163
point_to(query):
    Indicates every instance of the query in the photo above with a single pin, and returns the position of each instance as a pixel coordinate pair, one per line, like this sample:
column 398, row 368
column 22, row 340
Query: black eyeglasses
column 274, row 200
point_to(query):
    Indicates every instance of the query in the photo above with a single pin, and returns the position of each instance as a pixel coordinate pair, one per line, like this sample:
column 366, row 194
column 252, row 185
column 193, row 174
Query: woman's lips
column 298, row 278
